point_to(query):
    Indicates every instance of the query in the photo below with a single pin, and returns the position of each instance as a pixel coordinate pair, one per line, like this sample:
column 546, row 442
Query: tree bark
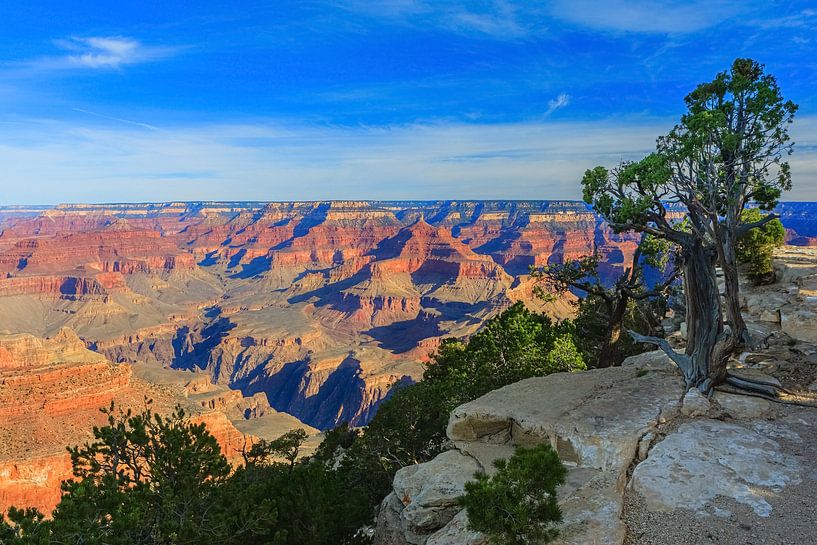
column 704, row 362
column 728, row 261
column 610, row 354
column 707, row 343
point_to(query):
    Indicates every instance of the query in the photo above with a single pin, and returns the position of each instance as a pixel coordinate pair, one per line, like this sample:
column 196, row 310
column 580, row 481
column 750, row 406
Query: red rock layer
column 62, row 286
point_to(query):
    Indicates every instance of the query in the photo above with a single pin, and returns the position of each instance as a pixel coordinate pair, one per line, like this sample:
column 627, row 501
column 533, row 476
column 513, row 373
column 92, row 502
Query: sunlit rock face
column 51, row 393
column 319, row 306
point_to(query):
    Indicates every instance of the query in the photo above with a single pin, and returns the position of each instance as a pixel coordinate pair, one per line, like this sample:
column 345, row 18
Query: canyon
column 319, row 306
column 257, row 318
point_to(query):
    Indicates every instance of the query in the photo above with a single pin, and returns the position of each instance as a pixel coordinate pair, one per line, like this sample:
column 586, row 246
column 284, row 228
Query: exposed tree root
column 765, row 390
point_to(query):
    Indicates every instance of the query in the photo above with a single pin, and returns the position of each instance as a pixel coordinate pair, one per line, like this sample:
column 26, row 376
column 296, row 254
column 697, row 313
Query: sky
column 364, row 99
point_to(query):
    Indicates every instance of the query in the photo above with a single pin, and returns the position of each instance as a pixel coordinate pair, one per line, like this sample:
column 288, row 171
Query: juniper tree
column 726, row 153
column 630, row 287
column 730, row 149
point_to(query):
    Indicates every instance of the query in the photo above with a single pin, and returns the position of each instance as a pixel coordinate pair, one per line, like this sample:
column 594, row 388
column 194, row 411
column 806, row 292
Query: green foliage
column 513, row 346
column 143, row 479
column 518, row 504
column 739, row 123
column 148, row 479
column 306, row 492
column 24, row 527
column 593, row 319
column 409, row 427
column 626, row 197
column 564, row 356
column 756, row 247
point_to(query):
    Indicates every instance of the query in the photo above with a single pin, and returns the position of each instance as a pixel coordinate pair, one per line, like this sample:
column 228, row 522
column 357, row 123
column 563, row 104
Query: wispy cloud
column 502, row 19
column 646, row 16
column 49, row 161
column 514, row 19
column 100, row 53
column 117, row 119
column 559, row 102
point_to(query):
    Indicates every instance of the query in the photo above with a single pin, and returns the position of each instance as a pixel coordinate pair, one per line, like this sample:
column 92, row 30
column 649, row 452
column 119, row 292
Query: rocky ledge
column 631, row 442
column 597, row 421
column 648, row 463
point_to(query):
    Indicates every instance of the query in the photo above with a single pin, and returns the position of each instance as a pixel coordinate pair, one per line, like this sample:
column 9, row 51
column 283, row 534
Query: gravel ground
column 793, row 520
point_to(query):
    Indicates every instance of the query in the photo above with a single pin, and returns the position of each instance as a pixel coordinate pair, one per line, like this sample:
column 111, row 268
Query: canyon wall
column 51, row 392
column 319, row 307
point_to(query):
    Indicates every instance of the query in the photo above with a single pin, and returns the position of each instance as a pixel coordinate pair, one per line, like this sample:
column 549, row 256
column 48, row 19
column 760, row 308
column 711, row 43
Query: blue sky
column 280, row 100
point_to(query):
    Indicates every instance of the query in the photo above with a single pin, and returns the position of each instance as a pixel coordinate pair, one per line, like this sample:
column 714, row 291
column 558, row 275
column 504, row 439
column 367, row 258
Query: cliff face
column 51, row 391
column 319, row 306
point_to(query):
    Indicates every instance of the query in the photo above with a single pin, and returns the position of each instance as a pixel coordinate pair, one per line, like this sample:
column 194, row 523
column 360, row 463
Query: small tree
column 756, row 247
column 617, row 299
column 286, row 447
column 518, row 504
column 730, row 148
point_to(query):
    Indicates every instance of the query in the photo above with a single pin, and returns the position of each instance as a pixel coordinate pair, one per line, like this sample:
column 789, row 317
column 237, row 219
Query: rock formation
column 51, row 391
column 319, row 306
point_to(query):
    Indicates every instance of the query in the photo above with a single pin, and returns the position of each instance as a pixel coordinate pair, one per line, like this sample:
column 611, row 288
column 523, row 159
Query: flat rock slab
column 593, row 419
column 743, row 407
column 708, row 458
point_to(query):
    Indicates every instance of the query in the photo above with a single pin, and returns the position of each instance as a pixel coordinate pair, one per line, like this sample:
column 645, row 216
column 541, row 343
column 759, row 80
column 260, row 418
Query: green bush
column 409, row 427
column 518, row 504
column 756, row 247
column 152, row 480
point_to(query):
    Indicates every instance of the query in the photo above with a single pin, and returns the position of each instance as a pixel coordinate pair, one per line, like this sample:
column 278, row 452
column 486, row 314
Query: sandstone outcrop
column 595, row 420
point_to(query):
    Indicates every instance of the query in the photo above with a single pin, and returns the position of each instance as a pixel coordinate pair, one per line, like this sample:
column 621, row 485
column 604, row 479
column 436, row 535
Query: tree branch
column 746, row 227
column 683, row 361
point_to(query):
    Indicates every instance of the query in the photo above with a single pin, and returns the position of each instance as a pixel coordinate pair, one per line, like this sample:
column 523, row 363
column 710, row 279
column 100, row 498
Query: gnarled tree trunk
column 610, row 353
column 728, row 261
column 707, row 343
column 704, row 361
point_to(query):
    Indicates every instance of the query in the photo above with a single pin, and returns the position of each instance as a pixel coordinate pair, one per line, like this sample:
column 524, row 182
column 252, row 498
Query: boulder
column 708, row 458
column 799, row 324
column 429, row 493
column 389, row 529
column 695, row 403
column 456, row 532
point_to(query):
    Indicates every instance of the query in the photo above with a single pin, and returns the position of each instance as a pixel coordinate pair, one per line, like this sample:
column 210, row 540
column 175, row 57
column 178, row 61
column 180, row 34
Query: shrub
column 756, row 247
column 517, row 505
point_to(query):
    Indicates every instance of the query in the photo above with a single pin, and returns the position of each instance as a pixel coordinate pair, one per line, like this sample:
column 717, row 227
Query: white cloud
column 645, row 15
column 46, row 162
column 559, row 102
column 100, row 52
column 503, row 19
